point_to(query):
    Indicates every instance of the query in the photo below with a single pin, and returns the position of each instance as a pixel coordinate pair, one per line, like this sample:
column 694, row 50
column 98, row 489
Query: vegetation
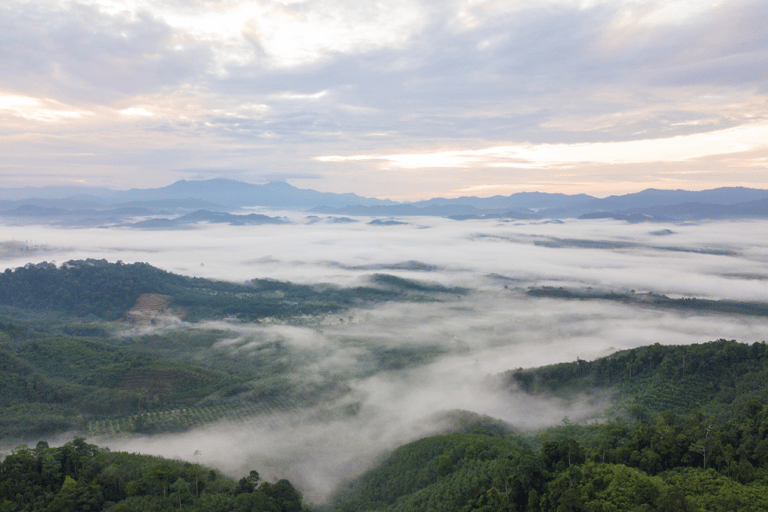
column 103, row 290
column 654, row 300
column 81, row 477
column 63, row 367
column 51, row 382
column 690, row 434
column 722, row 378
column 663, row 463
column 688, row 430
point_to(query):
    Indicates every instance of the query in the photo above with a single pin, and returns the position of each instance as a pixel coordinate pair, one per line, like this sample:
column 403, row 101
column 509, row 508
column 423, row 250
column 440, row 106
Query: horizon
column 426, row 198
column 398, row 100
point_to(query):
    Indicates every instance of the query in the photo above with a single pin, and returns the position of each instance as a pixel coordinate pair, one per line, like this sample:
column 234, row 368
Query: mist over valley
column 459, row 304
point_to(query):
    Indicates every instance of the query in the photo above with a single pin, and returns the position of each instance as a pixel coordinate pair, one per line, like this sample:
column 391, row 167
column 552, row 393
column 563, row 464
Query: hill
column 98, row 289
column 81, row 477
column 695, row 440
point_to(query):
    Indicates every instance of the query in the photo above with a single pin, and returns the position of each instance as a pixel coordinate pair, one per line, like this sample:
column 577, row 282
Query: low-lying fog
column 468, row 339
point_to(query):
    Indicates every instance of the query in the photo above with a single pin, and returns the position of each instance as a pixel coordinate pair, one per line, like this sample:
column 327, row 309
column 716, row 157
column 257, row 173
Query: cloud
column 673, row 149
column 38, row 109
column 136, row 111
column 268, row 86
column 80, row 54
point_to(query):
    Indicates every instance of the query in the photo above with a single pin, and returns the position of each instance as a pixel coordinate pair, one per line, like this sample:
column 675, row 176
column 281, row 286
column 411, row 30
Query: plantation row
column 176, row 420
column 661, row 394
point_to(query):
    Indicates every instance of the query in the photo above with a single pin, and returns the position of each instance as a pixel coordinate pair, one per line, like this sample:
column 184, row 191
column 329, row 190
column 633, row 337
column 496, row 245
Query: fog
column 461, row 343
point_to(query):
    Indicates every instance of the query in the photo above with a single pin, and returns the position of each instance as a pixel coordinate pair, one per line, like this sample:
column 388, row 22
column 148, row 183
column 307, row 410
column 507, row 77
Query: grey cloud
column 727, row 49
column 444, row 86
column 546, row 75
column 83, row 54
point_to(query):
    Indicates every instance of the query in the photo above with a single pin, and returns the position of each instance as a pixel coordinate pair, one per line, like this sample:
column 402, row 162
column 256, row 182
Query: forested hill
column 723, row 378
column 99, row 289
column 81, row 477
column 696, row 441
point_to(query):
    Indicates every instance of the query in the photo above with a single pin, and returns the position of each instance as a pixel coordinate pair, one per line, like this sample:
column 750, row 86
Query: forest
column 683, row 427
column 100, row 290
column 653, row 300
column 81, row 477
column 662, row 462
column 689, row 433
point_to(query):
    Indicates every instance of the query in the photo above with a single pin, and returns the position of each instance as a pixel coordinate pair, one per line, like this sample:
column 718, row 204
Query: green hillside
column 686, row 428
column 720, row 378
column 98, row 289
column 654, row 301
column 81, row 477
column 690, row 462
column 51, row 382
column 690, row 433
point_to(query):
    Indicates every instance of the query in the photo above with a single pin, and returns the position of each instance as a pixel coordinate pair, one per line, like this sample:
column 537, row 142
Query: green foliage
column 49, row 382
column 669, row 462
column 610, row 487
column 708, row 491
column 719, row 377
column 402, row 284
column 419, row 475
column 99, row 289
column 80, row 477
column 655, row 301
column 691, row 433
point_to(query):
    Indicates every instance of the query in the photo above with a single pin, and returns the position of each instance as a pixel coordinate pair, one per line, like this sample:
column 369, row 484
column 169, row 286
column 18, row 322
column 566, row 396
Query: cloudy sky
column 400, row 99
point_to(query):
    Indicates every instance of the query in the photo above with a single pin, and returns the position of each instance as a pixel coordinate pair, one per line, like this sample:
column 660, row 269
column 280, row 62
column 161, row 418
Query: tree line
column 81, row 477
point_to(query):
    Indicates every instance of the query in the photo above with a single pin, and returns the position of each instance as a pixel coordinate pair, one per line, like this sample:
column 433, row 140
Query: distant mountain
column 400, row 210
column 654, row 197
column 236, row 194
column 253, row 219
column 689, row 211
column 632, row 218
column 67, row 203
column 220, row 195
column 174, row 204
column 518, row 201
column 671, row 205
column 227, row 193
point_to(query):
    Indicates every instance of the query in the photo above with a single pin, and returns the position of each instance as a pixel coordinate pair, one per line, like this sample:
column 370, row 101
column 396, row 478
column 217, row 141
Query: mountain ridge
column 220, row 194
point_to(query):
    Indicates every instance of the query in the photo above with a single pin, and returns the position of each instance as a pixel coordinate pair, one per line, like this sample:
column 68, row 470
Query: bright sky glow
column 35, row 109
column 136, row 111
column 673, row 149
column 389, row 98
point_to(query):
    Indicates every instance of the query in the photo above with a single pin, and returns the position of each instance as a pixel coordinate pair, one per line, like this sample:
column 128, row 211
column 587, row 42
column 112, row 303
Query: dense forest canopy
column 81, row 477
column 99, row 289
column 685, row 428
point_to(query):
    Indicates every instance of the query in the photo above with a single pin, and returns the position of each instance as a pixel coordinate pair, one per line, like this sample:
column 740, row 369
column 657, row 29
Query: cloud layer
column 573, row 96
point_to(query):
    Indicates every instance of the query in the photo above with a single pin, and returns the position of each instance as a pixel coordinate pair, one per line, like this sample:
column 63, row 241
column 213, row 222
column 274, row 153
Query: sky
column 399, row 99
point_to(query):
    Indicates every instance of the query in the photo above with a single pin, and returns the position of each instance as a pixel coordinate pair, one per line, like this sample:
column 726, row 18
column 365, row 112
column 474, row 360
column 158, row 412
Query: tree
column 76, row 497
column 180, row 491
column 197, row 473
column 284, row 495
column 672, row 499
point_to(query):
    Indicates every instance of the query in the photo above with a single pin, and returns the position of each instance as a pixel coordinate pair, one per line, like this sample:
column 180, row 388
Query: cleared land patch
column 147, row 309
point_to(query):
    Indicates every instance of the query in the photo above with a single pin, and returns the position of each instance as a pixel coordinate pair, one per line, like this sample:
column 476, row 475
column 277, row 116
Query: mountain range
column 210, row 198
